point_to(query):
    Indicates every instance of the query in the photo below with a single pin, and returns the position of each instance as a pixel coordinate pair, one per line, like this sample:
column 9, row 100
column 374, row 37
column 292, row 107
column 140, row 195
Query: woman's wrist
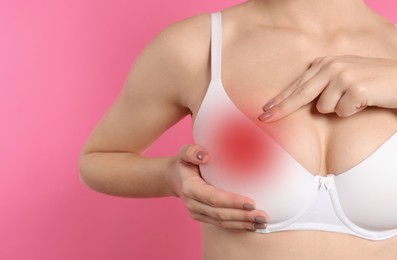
column 170, row 178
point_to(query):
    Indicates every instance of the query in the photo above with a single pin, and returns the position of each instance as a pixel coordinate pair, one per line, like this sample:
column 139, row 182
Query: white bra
column 361, row 201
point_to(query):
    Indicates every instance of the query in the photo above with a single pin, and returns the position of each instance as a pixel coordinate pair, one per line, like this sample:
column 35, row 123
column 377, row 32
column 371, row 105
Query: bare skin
column 258, row 62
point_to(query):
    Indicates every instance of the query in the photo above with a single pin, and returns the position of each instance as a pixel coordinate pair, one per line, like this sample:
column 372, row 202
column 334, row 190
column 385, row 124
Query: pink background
column 62, row 63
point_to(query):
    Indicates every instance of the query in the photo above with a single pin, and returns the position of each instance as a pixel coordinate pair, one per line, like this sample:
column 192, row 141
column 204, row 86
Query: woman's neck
column 314, row 16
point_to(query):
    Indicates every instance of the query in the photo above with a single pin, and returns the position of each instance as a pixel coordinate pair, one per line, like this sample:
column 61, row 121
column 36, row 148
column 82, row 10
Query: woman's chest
column 321, row 143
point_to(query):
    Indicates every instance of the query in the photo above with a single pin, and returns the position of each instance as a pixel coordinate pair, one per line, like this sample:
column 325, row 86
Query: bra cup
column 367, row 193
column 282, row 191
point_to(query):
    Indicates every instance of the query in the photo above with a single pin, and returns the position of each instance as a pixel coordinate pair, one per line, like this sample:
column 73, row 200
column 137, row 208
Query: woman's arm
column 152, row 101
column 149, row 104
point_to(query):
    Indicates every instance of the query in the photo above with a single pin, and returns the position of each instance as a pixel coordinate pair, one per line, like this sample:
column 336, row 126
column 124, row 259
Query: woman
column 325, row 74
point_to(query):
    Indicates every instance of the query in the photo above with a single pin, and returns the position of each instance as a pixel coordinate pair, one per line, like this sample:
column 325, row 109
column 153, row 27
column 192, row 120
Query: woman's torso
column 257, row 63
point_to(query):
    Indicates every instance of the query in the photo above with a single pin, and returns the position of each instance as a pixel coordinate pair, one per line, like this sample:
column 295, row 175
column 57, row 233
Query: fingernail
column 268, row 105
column 260, row 226
column 201, row 155
column 260, row 220
column 265, row 116
column 248, row 206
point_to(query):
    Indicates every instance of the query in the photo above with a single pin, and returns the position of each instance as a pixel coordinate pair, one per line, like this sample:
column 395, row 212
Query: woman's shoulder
column 175, row 57
column 186, row 39
column 190, row 26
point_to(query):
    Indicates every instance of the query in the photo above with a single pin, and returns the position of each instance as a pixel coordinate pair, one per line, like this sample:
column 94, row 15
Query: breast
column 367, row 192
column 275, row 180
column 282, row 188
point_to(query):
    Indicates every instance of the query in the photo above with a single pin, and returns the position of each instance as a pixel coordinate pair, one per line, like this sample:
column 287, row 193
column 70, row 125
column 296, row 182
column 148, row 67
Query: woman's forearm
column 126, row 174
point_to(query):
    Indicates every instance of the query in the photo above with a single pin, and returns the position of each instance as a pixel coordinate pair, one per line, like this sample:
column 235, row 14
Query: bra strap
column 216, row 45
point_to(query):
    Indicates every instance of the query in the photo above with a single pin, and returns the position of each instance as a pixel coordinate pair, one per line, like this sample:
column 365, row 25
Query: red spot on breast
column 242, row 148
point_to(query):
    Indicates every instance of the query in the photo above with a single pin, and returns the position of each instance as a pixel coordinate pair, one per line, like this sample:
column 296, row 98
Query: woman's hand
column 206, row 203
column 344, row 84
